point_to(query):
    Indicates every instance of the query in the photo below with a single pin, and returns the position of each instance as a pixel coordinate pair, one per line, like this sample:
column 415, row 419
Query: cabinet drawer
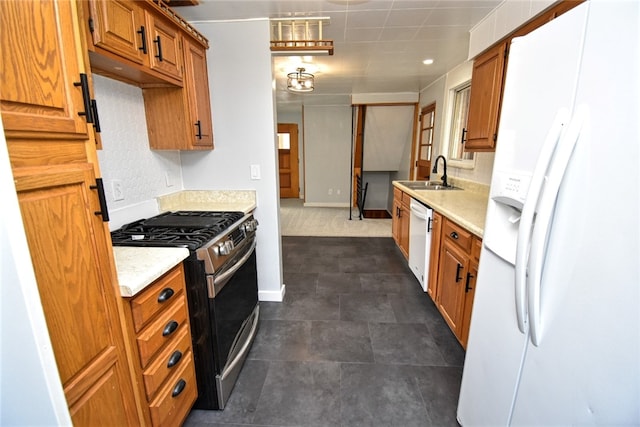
column 162, row 330
column 168, row 361
column 458, row 235
column 170, row 410
column 156, row 297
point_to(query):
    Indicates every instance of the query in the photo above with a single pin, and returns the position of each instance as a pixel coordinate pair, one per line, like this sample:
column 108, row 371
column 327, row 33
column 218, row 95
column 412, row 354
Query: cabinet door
column 453, row 269
column 68, row 246
column 118, row 27
column 434, row 257
column 165, row 53
column 405, row 220
column 197, row 86
column 41, row 62
column 395, row 221
column 469, row 294
column 486, row 96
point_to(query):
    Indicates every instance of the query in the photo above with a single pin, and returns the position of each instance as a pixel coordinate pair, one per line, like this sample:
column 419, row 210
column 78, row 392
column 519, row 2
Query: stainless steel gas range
column 222, row 289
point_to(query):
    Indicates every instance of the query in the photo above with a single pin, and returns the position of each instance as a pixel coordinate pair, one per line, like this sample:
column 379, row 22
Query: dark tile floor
column 355, row 343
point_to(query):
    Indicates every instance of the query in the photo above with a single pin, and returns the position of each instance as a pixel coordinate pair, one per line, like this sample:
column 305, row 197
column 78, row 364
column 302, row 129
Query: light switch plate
column 255, row 171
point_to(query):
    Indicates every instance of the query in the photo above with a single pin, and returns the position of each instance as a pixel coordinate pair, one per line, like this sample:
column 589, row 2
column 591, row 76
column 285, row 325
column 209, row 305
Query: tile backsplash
column 126, row 161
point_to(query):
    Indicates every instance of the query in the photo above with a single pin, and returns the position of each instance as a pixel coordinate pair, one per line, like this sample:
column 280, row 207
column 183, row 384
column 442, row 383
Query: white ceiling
column 379, row 45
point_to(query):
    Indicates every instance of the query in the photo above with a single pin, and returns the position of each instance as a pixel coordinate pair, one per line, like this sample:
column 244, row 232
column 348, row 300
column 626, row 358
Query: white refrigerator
column 555, row 327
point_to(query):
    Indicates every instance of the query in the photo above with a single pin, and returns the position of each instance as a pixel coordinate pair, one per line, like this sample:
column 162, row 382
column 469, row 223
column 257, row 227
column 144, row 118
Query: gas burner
column 187, row 229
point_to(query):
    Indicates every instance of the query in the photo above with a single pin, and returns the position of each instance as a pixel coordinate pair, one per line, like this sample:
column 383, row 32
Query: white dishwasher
column 420, row 241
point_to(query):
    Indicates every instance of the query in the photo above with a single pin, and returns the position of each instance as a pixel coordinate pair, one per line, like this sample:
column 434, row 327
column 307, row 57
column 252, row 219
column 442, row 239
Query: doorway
column 288, row 160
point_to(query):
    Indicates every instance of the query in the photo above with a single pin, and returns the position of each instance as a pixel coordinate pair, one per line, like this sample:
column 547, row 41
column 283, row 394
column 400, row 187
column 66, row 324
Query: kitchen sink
column 427, row 185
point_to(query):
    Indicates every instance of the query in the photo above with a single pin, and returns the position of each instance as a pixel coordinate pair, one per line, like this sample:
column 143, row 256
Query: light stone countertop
column 466, row 207
column 138, row 267
column 209, row 200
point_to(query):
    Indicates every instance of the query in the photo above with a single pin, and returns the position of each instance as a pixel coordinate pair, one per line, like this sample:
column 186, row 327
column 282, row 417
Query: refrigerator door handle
column 528, row 211
column 544, row 220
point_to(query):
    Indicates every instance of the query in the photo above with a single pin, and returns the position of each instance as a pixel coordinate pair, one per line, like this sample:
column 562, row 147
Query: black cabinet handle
column 199, row 134
column 170, row 328
column 159, row 44
column 458, row 268
column 86, row 97
column 104, row 212
column 165, row 294
column 429, row 227
column 463, row 139
column 143, row 37
column 174, row 359
column 454, row 235
column 467, row 288
column 179, row 387
column 94, row 111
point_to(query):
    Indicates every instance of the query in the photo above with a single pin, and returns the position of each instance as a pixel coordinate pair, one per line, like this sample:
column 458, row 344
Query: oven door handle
column 215, row 284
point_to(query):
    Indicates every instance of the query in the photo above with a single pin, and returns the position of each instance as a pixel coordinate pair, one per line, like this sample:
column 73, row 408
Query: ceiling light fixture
column 428, row 61
column 300, row 82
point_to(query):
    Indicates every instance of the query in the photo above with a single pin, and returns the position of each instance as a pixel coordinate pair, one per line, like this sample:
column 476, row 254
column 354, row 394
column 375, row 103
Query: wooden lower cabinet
column 434, row 257
column 455, row 267
column 68, row 246
column 401, row 219
column 160, row 336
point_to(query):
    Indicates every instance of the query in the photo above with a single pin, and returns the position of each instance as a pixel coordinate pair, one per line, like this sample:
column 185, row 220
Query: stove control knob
column 223, row 248
column 250, row 225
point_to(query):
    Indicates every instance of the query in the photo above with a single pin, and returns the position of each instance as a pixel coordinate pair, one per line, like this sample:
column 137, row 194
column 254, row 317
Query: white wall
column 505, row 18
column 126, row 156
column 327, row 135
column 30, row 389
column 243, row 109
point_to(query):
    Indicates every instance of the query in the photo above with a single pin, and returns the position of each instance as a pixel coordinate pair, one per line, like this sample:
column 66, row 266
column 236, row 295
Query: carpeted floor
column 298, row 220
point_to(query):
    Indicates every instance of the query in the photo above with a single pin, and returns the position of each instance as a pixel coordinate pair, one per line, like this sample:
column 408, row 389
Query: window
column 283, row 141
column 459, row 115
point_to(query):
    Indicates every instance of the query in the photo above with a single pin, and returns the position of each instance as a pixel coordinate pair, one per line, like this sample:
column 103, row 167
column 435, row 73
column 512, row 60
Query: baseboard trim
column 326, row 205
column 272, row 296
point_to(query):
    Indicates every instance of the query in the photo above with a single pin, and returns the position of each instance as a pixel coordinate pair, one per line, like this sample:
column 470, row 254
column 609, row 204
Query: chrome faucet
column 435, row 169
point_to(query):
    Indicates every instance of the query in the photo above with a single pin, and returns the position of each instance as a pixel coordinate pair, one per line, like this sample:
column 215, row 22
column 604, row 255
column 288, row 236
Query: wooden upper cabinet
column 197, row 88
column 486, row 95
column 180, row 118
column 69, row 247
column 133, row 41
column 165, row 52
column 41, row 68
column 118, row 26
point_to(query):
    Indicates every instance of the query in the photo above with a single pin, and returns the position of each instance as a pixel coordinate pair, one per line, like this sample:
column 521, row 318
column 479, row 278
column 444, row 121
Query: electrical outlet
column 255, row 172
column 117, row 190
column 338, row 191
column 330, row 191
column 168, row 178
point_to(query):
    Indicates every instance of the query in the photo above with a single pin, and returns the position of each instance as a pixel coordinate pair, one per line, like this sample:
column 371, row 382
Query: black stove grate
column 186, row 229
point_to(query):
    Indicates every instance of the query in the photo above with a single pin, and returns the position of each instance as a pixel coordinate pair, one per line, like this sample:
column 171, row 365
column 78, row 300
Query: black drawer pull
column 143, row 37
column 179, row 388
column 170, row 328
column 96, row 119
column 467, row 288
column 458, row 268
column 86, row 97
column 165, row 295
column 198, row 125
column 174, row 359
column 454, row 235
column 158, row 43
